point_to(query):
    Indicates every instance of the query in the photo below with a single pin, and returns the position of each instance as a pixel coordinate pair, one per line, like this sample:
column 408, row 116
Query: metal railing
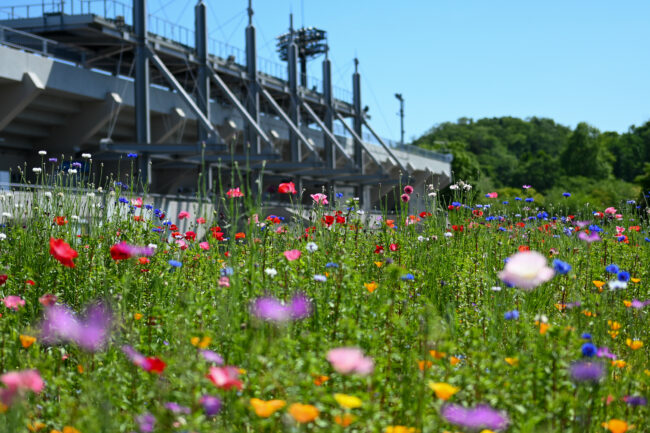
column 37, row 44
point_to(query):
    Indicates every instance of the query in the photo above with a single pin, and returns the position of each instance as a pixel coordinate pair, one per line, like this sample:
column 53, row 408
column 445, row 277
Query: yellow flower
column 303, row 413
column 437, row 355
column 265, row 409
column 628, row 304
column 616, row 426
column 635, row 280
column 348, row 401
column 443, row 391
column 379, row 264
column 614, row 326
column 613, row 334
column 27, row 340
column 137, row 316
column 370, row 286
column 400, row 429
column 36, row 426
column 69, row 429
column 345, row 420
column 453, row 360
column 512, row 361
column 201, row 343
column 598, row 284
column 619, row 363
column 634, row 344
column 486, row 431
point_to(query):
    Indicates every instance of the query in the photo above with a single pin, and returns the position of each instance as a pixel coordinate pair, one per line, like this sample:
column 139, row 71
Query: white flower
column 311, row 247
column 42, row 152
column 100, row 190
column 47, row 194
column 3, row 236
column 361, row 212
column 541, row 318
column 453, row 187
column 526, row 270
column 74, row 218
column 91, row 194
column 467, row 186
column 321, row 278
column 72, row 171
column 432, row 194
column 37, row 170
column 152, row 246
column 421, row 238
column 86, row 155
column 6, row 214
column 616, row 284
column 448, row 234
column 495, row 288
column 271, row 272
column 60, row 194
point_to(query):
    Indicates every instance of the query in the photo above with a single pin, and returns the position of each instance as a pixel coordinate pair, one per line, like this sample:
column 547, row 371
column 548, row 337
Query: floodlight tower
column 310, row 41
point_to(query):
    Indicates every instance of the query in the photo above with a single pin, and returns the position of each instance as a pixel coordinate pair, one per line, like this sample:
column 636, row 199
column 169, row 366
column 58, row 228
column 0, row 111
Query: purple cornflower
column 272, row 310
column 61, row 325
column 146, row 422
column 52, row 160
column 586, row 371
column 589, row 238
column 211, row 404
column 639, row 304
column 603, row 352
column 177, row 408
column 479, row 417
column 211, row 356
column 635, row 400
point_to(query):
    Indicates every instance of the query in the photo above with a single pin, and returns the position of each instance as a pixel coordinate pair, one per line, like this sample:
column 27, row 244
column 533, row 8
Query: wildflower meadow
column 455, row 312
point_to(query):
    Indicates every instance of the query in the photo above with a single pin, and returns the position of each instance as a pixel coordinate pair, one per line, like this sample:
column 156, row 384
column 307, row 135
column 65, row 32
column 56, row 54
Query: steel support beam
column 81, row 127
column 141, row 85
column 329, row 139
column 203, row 76
column 238, row 105
column 386, row 148
column 18, row 97
column 358, row 115
column 294, row 114
column 205, row 122
column 328, row 123
column 293, row 128
column 164, row 127
column 357, row 140
column 253, row 97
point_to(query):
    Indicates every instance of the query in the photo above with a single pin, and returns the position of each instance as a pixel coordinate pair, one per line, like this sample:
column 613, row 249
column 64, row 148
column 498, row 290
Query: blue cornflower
column 76, row 164
column 566, row 194
column 647, row 239
column 408, row 277
column 148, row 206
column 227, row 271
column 631, row 202
column 490, row 218
column 131, row 155
column 518, row 198
column 455, row 203
column 595, row 228
column 502, row 229
column 586, row 336
column 175, row 263
column 588, row 349
column 339, row 194
column 623, row 276
column 621, row 238
column 124, row 200
column 52, row 160
column 561, row 267
column 529, row 200
column 542, row 215
column 167, row 223
column 157, row 230
column 505, row 202
column 612, row 269
column 511, row 315
column 332, row 265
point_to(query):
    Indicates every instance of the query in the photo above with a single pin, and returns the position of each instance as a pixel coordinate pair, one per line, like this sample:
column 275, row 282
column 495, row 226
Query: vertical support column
column 292, row 58
column 360, row 191
column 203, row 78
column 330, row 150
column 141, row 87
column 253, row 100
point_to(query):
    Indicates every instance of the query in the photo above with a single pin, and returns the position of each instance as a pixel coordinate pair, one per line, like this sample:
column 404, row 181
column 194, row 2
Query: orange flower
column 437, row 355
column 627, row 304
column 619, row 363
column 614, row 326
column 635, row 280
column 512, row 361
column 598, row 284
column 303, row 413
column 453, row 360
column 265, row 409
column 370, row 286
column 137, row 316
column 379, row 264
column 345, row 420
column 240, row 235
column 424, row 365
column 616, row 426
column 60, row 221
column 632, row 344
column 444, row 391
column 27, row 340
column 201, row 343
column 319, row 380
column 36, row 426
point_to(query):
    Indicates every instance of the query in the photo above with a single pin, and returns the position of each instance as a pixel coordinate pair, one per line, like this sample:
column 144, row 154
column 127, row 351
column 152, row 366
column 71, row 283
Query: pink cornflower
column 292, row 255
column 204, row 246
column 234, row 193
column 319, row 198
column 14, row 302
column 405, row 198
column 348, row 360
column 610, row 211
column 408, row 189
column 224, row 282
column 200, row 220
column 526, row 270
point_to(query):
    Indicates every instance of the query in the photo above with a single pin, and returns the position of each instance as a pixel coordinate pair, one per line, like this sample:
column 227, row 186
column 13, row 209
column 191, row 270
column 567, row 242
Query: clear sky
column 570, row 60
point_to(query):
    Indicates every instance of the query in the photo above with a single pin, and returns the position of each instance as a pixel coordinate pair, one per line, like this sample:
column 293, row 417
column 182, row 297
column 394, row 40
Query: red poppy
column 379, row 249
column 393, row 247
column 287, row 188
column 30, row 282
column 61, row 251
column 523, row 248
column 143, row 260
column 3, row 279
column 635, row 228
column 425, row 214
column 328, row 220
column 173, row 228
column 340, row 220
column 200, row 220
column 154, row 365
column 457, row 228
column 137, row 218
column 477, row 212
column 120, row 251
column 60, row 221
column 190, row 235
column 520, row 224
column 240, row 235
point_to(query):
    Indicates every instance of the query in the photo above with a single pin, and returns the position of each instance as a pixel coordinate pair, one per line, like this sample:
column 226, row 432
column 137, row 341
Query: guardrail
column 37, row 44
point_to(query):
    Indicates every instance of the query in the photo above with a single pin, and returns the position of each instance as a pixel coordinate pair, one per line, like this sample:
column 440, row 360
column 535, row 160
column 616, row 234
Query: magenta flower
column 123, row 251
column 479, row 417
column 177, row 408
column 272, row 310
column 408, row 189
column 14, row 302
column 492, row 195
column 19, row 381
column 589, row 238
column 319, row 198
column 61, row 325
column 211, row 356
column 348, row 360
column 183, row 214
column 204, row 246
column 146, row 423
column 405, row 198
column 526, row 270
column 211, row 404
column 603, row 352
column 292, row 255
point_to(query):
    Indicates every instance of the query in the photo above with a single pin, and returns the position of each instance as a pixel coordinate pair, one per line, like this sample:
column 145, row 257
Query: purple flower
column 603, row 352
column 586, row 371
column 639, row 304
column 211, row 404
column 635, row 400
column 479, row 417
column 272, row 310
column 211, row 356
column 589, row 238
column 61, row 325
column 177, row 408
column 146, row 422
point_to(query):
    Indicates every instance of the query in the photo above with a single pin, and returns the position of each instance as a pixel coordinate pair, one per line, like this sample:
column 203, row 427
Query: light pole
column 401, row 116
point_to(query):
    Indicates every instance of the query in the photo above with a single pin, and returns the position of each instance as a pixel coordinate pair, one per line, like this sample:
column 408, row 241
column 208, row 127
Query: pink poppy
column 224, row 282
column 292, row 255
column 204, row 245
column 183, row 214
column 234, row 193
column 319, row 198
column 225, row 377
column 526, row 270
column 137, row 202
column 16, row 381
column 492, row 195
column 347, row 360
column 200, row 220
column 14, row 302
column 610, row 211
column 287, row 188
column 408, row 189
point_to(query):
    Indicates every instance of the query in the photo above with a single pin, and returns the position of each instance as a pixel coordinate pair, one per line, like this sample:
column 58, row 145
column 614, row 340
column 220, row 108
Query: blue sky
column 570, row 60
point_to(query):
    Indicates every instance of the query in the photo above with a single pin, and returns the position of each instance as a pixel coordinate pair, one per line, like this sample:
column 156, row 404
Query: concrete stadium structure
column 99, row 77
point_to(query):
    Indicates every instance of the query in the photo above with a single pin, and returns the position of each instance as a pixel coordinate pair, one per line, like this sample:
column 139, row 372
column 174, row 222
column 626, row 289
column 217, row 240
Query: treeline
column 502, row 154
